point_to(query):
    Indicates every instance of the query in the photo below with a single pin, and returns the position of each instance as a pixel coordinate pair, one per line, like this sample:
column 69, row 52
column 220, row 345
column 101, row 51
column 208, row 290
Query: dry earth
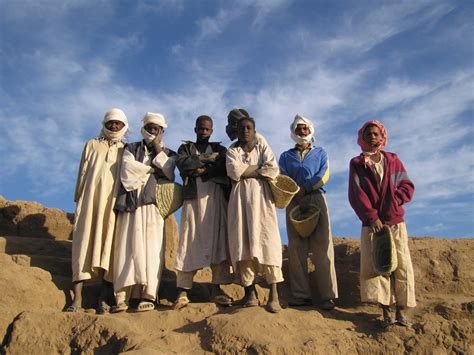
column 35, row 281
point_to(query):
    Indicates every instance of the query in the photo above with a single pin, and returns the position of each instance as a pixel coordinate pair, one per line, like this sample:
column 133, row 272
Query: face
column 232, row 129
column 153, row 128
column 114, row 125
column 302, row 130
column 246, row 131
column 203, row 130
column 373, row 136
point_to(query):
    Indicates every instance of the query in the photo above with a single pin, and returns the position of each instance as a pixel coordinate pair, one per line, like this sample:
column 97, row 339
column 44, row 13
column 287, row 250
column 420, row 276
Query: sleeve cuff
column 160, row 160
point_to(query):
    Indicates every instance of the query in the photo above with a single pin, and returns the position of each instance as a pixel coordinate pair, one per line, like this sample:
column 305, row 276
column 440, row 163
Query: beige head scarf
column 151, row 117
column 114, row 114
column 302, row 120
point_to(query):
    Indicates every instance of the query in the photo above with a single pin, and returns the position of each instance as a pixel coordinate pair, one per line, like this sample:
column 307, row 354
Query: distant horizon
column 408, row 64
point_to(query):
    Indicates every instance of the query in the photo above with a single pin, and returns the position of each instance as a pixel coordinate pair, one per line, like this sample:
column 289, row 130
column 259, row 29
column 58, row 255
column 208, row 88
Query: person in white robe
column 203, row 232
column 95, row 194
column 139, row 242
column 254, row 236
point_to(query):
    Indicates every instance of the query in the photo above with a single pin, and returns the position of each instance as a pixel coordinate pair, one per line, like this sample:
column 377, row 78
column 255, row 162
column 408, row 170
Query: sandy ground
column 35, row 284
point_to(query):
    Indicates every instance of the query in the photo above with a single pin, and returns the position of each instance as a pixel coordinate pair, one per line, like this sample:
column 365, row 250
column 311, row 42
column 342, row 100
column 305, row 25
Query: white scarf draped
column 114, row 114
column 156, row 118
column 298, row 139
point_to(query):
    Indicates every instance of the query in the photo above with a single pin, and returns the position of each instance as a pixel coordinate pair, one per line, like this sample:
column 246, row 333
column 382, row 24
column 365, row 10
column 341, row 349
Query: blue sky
column 407, row 63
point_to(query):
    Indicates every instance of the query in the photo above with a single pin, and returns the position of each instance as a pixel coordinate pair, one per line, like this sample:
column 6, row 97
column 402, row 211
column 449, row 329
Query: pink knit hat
column 360, row 139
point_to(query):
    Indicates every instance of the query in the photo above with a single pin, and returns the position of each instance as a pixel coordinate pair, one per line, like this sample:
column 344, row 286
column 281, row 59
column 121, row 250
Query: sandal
column 300, row 302
column 273, row 307
column 386, row 322
column 252, row 303
column 327, row 305
column 145, row 306
column 222, row 300
column 181, row 302
column 103, row 309
column 121, row 307
column 403, row 322
column 73, row 308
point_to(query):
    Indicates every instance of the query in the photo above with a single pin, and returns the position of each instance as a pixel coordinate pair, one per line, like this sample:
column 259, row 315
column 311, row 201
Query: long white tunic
column 96, row 190
column 252, row 220
column 139, row 248
column 203, row 232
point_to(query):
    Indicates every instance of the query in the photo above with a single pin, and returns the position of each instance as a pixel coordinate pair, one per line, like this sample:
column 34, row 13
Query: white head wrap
column 151, row 117
column 302, row 120
column 114, row 114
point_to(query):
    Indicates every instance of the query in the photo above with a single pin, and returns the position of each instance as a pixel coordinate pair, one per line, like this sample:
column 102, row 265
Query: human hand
column 210, row 157
column 300, row 194
column 377, row 226
column 158, row 142
column 199, row 171
column 304, row 203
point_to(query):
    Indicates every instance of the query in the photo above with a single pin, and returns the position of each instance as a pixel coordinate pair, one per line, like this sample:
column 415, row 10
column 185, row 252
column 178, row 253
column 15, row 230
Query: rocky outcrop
column 31, row 219
column 35, row 284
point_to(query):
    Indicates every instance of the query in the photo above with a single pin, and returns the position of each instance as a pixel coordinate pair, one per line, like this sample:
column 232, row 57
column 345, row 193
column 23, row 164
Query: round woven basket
column 169, row 197
column 283, row 189
column 384, row 252
column 304, row 220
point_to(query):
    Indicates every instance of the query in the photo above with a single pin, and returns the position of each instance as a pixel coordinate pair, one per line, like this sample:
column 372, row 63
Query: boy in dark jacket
column 203, row 232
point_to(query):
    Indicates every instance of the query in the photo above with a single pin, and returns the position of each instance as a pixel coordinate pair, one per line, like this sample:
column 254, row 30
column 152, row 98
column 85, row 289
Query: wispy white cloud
column 213, row 26
column 157, row 6
column 333, row 77
column 397, row 91
column 229, row 12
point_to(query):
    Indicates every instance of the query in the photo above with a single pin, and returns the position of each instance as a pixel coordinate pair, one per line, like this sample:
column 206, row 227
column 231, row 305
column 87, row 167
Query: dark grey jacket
column 128, row 201
column 188, row 161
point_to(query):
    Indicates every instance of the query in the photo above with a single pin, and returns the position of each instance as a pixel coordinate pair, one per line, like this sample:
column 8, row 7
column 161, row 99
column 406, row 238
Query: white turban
column 114, row 114
column 302, row 120
column 156, row 118
column 151, row 117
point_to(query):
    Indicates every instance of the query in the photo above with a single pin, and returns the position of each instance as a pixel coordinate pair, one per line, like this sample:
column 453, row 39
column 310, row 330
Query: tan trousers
column 221, row 275
column 400, row 287
column 248, row 270
column 321, row 247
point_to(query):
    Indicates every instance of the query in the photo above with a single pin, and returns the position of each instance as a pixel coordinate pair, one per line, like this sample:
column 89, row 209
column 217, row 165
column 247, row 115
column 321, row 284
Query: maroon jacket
column 371, row 200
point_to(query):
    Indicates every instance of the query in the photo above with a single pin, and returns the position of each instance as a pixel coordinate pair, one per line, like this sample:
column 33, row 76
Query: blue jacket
column 311, row 173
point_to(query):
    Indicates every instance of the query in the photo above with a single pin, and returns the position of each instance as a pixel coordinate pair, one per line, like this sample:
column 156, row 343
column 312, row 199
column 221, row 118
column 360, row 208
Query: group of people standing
column 228, row 219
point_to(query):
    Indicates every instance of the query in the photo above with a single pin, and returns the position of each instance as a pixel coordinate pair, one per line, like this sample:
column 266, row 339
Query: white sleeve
column 235, row 167
column 166, row 164
column 260, row 139
column 133, row 173
column 269, row 168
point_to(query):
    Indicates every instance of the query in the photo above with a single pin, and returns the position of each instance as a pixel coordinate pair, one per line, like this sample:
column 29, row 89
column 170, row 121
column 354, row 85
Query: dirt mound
column 25, row 288
column 31, row 219
column 35, row 283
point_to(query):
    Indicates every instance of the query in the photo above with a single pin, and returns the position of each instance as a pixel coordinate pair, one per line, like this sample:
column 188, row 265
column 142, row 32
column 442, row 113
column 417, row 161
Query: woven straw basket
column 304, row 220
column 169, row 197
column 283, row 190
column 384, row 252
